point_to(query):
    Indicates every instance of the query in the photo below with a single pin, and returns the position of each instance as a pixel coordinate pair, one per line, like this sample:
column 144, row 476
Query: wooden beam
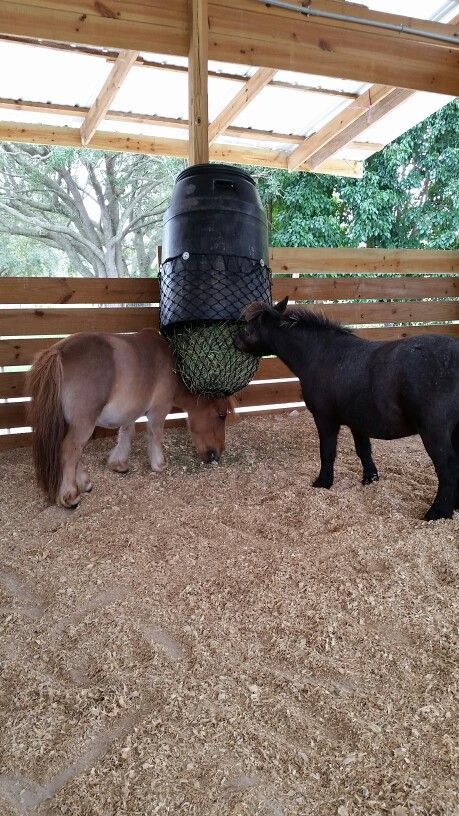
column 249, row 91
column 111, row 86
column 248, row 33
column 378, row 105
column 143, row 62
column 346, row 125
column 363, row 260
column 198, row 106
column 145, row 119
column 233, row 154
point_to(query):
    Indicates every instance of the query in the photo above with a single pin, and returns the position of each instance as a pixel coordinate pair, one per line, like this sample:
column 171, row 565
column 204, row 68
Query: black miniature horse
column 385, row 390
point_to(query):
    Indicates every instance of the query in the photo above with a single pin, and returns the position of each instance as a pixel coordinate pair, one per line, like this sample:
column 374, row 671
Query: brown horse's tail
column 46, row 417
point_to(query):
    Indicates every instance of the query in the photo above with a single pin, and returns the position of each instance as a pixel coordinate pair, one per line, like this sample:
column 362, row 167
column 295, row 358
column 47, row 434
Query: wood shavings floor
column 228, row 641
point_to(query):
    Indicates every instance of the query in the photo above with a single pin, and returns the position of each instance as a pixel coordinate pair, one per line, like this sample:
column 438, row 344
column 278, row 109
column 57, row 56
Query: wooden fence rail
column 349, row 285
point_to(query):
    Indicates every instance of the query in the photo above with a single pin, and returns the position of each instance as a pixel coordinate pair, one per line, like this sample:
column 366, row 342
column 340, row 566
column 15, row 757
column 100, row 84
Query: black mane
column 302, row 317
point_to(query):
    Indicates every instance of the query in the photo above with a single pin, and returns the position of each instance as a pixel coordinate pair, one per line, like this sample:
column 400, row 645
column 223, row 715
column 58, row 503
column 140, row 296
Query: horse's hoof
column 122, row 469
column 434, row 514
column 369, row 478
column 326, row 484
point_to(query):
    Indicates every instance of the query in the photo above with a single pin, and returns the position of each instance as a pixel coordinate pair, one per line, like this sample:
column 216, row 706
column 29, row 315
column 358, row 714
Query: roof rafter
column 249, row 91
column 348, row 125
column 145, row 119
column 143, row 62
column 110, row 88
column 251, row 33
column 370, row 106
column 237, row 154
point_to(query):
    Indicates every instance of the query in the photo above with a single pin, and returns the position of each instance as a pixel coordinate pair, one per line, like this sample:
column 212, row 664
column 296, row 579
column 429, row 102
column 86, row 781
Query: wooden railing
column 348, row 285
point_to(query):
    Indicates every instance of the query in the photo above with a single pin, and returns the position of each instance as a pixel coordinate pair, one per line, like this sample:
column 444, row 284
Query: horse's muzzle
column 212, row 455
column 239, row 342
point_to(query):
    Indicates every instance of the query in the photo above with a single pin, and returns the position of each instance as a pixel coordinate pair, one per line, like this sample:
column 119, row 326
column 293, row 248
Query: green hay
column 208, row 361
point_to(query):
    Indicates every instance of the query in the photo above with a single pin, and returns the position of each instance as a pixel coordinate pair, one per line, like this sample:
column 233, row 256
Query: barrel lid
column 213, row 169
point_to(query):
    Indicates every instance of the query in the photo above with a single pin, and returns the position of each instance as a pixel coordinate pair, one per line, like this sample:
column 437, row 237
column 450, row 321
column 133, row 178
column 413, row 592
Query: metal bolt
column 185, row 255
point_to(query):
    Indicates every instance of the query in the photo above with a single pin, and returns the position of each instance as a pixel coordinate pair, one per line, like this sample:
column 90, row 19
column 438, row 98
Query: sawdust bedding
column 229, row 641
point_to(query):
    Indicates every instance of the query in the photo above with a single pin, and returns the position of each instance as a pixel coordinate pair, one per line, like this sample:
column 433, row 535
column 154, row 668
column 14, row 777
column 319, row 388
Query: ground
column 229, row 641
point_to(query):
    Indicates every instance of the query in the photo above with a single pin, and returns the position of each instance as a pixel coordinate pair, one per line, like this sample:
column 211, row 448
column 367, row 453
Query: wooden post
column 198, row 150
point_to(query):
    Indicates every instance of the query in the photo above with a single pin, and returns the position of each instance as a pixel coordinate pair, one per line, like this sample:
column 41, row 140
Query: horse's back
column 421, row 374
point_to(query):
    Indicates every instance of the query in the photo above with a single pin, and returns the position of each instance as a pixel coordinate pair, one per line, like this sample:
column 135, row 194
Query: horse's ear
column 282, row 305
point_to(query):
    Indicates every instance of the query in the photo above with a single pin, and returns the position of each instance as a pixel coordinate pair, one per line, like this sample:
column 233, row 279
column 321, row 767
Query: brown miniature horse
column 109, row 380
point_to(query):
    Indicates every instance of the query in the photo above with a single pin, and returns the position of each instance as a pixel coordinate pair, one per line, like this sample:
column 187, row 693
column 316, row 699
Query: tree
column 103, row 210
column 21, row 256
column 408, row 196
column 303, row 208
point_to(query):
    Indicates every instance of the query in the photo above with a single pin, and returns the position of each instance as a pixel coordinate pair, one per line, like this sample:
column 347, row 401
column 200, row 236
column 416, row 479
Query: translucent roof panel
column 422, row 9
column 294, row 104
column 46, row 75
column 408, row 114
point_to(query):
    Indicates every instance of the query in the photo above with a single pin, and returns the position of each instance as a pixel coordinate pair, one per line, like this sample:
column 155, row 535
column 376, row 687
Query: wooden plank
column 352, row 130
column 164, row 121
column 12, row 441
column 248, row 33
column 146, row 290
column 12, row 384
column 271, row 368
column 79, row 290
column 351, row 261
column 14, row 322
column 244, row 97
column 23, row 322
column 399, row 333
column 358, row 288
column 198, row 108
column 347, row 125
column 14, row 414
column 123, row 64
column 281, row 39
column 22, row 352
column 232, row 154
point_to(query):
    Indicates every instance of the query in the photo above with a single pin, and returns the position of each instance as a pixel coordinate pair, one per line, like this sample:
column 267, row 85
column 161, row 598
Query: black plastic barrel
column 215, row 246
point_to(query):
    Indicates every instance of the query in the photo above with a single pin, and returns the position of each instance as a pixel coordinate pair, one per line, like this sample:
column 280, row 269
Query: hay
column 229, row 641
column 207, row 359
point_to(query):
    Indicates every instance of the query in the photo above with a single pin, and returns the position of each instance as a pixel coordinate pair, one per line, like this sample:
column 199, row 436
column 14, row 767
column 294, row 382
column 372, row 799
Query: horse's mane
column 302, row 317
column 294, row 317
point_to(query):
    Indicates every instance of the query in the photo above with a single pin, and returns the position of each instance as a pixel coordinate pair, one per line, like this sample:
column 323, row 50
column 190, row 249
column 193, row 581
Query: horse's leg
column 455, row 441
column 72, row 448
column 363, row 451
column 82, row 479
column 155, row 430
column 328, row 431
column 118, row 460
column 440, row 449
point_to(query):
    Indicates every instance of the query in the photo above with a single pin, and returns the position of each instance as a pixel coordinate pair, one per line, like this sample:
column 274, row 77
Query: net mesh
column 202, row 297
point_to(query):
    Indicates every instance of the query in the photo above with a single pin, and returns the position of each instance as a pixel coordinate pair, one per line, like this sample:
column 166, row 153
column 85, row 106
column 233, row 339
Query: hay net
column 202, row 297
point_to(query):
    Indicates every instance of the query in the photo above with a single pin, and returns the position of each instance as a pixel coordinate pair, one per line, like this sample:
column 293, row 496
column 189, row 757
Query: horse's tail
column 46, row 417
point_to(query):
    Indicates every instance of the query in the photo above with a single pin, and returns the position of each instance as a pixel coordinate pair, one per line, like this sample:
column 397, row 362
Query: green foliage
column 26, row 257
column 303, row 208
column 408, row 196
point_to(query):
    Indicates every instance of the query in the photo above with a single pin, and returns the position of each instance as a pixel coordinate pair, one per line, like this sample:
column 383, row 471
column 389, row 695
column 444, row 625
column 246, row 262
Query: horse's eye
column 223, row 416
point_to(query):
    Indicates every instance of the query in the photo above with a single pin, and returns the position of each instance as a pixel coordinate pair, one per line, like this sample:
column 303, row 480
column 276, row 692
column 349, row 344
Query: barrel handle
column 225, row 184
